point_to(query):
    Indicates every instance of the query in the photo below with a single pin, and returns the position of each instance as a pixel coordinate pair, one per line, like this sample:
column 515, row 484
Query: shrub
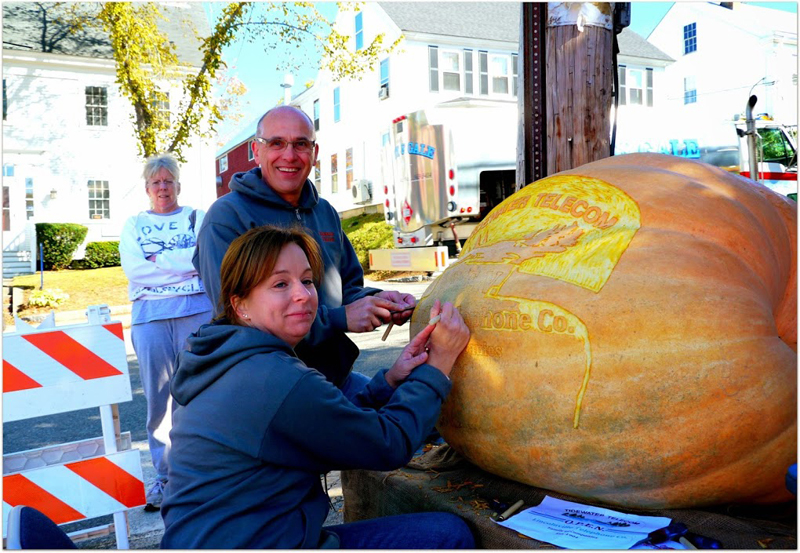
column 47, row 298
column 368, row 233
column 102, row 254
column 59, row 242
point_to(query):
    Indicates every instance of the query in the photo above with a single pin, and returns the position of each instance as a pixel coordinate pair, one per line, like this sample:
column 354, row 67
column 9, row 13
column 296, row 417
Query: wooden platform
column 440, row 480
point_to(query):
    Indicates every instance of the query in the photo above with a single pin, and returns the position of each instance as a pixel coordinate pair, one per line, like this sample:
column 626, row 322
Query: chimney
column 288, row 83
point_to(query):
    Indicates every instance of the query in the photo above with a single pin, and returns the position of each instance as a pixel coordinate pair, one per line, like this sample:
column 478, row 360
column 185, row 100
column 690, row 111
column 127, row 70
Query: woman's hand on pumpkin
column 449, row 337
column 412, row 356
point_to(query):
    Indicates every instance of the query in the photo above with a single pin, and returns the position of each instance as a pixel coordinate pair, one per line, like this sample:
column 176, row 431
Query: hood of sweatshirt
column 213, row 350
column 252, row 185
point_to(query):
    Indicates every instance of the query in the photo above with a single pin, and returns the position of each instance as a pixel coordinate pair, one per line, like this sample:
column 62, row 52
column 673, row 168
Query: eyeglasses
column 302, row 146
column 167, row 183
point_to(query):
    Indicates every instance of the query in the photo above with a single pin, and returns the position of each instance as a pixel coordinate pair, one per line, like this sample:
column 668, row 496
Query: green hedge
column 102, row 254
column 59, row 242
column 368, row 232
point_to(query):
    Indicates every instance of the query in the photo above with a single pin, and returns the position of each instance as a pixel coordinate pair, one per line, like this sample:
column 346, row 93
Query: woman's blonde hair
column 155, row 163
column 252, row 256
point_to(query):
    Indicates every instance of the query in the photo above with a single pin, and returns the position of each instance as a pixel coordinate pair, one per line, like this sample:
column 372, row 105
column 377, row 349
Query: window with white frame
column 29, row 198
column 689, row 90
column 455, row 70
column 337, row 114
column 359, row 30
column 334, row 174
column 384, row 91
column 635, row 86
column 349, row 167
column 99, row 200
column 689, row 38
column 318, row 176
column 316, row 114
column 499, row 66
column 223, row 163
column 97, row 106
column 451, row 70
column 433, row 67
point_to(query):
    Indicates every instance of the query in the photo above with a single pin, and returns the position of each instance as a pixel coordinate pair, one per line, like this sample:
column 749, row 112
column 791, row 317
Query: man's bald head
column 282, row 110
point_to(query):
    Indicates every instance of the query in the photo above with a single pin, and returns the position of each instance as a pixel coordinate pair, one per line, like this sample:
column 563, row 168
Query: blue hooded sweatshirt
column 251, row 203
column 255, row 429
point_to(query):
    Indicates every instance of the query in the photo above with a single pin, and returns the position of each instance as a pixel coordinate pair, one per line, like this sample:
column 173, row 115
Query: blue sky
column 646, row 15
column 257, row 68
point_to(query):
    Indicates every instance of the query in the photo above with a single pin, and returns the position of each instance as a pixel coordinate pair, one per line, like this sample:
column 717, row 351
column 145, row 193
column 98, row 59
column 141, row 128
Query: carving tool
column 433, row 321
column 391, row 323
column 679, row 532
column 511, row 510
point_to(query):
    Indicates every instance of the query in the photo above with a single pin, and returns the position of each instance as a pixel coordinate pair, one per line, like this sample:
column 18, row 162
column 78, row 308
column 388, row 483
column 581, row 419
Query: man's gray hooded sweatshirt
column 255, row 428
column 251, row 203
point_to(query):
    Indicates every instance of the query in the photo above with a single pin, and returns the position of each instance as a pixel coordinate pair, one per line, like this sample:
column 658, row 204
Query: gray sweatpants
column 157, row 345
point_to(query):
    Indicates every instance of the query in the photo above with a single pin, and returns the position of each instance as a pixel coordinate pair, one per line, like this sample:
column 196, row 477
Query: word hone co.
column 545, row 321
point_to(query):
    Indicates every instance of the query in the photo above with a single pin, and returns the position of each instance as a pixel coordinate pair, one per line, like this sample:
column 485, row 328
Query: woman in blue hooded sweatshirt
column 255, row 427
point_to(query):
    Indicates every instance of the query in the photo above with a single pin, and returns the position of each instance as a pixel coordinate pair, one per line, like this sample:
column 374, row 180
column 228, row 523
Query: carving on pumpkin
column 570, row 209
column 535, row 244
column 694, row 338
column 585, row 226
column 530, row 314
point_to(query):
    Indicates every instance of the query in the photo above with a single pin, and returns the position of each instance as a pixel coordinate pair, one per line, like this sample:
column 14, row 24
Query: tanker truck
column 443, row 169
column 720, row 143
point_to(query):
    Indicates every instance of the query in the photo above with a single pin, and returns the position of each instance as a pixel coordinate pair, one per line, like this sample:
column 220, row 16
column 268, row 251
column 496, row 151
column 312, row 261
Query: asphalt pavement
column 146, row 528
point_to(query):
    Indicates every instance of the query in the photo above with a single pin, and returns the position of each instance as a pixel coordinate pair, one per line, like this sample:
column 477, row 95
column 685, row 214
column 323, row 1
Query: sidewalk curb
column 121, row 313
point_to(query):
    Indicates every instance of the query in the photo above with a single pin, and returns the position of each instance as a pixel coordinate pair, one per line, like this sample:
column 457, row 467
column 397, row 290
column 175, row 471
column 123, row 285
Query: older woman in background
column 169, row 302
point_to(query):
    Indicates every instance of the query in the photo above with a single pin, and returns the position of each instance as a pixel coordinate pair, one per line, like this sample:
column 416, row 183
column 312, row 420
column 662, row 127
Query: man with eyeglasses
column 278, row 192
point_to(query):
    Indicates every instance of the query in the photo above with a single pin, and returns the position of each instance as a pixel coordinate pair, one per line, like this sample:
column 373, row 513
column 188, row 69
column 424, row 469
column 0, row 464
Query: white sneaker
column 155, row 496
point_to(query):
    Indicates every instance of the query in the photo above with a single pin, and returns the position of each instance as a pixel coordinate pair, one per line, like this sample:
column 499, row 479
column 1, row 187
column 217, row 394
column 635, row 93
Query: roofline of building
column 462, row 41
column 71, row 60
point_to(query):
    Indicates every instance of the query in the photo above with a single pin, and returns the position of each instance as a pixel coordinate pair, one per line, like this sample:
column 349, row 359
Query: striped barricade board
column 52, row 371
column 78, row 490
column 60, row 454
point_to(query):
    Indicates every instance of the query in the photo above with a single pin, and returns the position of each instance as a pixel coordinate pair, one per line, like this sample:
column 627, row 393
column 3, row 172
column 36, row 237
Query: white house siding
column 364, row 116
column 735, row 50
column 46, row 138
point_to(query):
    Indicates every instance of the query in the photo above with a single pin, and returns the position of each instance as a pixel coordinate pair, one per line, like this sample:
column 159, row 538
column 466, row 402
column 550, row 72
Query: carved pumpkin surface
column 634, row 331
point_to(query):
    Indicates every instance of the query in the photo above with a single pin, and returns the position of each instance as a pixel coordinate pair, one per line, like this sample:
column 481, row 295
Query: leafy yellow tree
column 145, row 57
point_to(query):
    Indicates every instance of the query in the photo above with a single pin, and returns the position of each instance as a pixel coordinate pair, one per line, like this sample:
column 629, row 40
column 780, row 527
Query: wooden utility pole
column 532, row 138
column 567, row 81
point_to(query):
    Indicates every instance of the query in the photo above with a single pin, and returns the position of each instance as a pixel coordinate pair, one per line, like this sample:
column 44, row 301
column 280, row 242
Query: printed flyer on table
column 575, row 526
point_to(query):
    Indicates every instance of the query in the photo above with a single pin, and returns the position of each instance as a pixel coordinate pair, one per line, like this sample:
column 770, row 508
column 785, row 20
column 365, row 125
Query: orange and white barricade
column 47, row 371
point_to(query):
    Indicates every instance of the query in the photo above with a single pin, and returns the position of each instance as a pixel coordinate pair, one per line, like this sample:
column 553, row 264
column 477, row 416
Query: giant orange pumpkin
column 634, row 336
